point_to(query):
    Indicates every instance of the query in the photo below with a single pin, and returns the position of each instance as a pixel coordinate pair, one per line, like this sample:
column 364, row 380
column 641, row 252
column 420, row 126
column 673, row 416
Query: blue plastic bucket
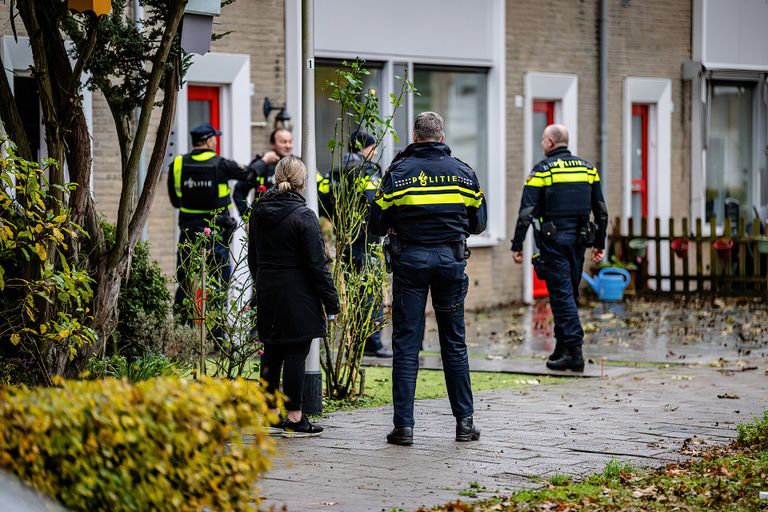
column 612, row 282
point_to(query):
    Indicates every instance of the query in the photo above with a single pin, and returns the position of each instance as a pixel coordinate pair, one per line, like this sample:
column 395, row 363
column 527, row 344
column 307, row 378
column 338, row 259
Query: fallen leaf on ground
column 642, row 493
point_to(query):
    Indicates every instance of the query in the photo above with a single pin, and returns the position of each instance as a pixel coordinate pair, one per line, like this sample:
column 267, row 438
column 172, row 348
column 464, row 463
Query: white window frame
column 562, row 89
column 18, row 59
column 657, row 93
column 496, row 104
column 232, row 74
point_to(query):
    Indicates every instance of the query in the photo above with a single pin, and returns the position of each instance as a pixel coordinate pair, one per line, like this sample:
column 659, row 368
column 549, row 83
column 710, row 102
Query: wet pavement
column 646, row 415
column 638, row 330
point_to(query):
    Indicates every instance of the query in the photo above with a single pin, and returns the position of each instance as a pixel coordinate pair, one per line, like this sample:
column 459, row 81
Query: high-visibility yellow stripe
column 431, row 199
column 535, row 181
column 371, row 184
column 177, row 174
column 202, row 157
column 566, row 171
column 441, row 188
column 224, row 189
column 562, row 177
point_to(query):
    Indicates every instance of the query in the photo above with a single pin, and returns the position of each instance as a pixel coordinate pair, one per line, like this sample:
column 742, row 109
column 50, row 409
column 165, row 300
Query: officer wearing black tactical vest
column 358, row 172
column 198, row 186
column 429, row 202
column 560, row 193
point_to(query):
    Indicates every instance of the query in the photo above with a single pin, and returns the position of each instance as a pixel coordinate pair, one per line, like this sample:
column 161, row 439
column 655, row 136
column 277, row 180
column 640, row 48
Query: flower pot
column 638, row 246
column 680, row 246
column 723, row 246
column 762, row 244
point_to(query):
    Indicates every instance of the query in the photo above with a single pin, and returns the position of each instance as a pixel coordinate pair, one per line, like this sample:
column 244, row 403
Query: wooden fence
column 686, row 260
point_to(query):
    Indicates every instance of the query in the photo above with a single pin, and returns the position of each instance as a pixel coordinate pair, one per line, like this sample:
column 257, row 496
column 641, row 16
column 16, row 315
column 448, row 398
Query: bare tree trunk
column 68, row 140
column 112, row 267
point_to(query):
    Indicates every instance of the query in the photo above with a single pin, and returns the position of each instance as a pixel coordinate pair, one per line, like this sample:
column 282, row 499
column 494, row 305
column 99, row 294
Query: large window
column 461, row 97
column 327, row 111
column 729, row 150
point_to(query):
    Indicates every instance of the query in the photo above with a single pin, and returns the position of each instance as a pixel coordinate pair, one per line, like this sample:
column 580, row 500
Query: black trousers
column 417, row 271
column 288, row 357
column 562, row 259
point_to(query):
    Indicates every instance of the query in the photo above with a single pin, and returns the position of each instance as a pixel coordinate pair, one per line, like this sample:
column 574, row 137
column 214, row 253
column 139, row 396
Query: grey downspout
column 603, row 101
column 138, row 16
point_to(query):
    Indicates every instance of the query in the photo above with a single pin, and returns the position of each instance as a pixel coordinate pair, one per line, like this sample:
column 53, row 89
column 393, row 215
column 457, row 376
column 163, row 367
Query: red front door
column 203, row 107
column 639, row 165
column 543, row 115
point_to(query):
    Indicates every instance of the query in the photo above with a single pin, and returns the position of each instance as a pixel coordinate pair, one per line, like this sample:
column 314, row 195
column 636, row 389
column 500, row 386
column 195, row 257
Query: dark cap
column 360, row 140
column 202, row 133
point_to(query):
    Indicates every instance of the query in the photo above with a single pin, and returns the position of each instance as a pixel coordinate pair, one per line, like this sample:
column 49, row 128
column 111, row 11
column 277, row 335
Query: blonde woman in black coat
column 294, row 289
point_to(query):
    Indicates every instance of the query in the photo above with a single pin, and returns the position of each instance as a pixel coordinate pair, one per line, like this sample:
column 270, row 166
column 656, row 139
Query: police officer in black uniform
column 360, row 173
column 560, row 193
column 429, row 202
column 198, row 187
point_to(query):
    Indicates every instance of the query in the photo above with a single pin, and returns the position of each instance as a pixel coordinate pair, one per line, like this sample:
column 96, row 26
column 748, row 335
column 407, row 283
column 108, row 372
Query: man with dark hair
column 263, row 166
column 429, row 202
column 561, row 192
column 198, row 187
column 360, row 173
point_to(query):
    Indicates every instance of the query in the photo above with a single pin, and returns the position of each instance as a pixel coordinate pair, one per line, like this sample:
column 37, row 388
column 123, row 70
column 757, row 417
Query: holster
column 392, row 248
column 587, row 232
column 548, row 230
column 461, row 250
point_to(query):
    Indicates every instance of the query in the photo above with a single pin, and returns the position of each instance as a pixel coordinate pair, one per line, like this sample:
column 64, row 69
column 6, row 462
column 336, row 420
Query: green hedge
column 163, row 444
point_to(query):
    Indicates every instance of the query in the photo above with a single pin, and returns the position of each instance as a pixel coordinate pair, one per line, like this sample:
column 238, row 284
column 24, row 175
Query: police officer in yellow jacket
column 198, row 186
column 560, row 193
column 433, row 202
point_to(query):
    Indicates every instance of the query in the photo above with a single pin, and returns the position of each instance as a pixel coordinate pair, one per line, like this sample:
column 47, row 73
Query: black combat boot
column 465, row 430
column 570, row 360
column 401, row 435
column 558, row 352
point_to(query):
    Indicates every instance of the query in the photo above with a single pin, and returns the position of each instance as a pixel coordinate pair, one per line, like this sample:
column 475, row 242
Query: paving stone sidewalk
column 644, row 417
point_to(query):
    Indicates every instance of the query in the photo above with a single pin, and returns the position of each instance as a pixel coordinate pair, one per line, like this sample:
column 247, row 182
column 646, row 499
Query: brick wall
column 650, row 39
column 646, row 39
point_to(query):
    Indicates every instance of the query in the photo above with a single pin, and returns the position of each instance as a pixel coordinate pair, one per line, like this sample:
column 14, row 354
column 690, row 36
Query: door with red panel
column 543, row 115
column 639, row 200
column 203, row 107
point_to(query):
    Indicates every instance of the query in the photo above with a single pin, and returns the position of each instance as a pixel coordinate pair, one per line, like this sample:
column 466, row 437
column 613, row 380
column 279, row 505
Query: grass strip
column 430, row 384
column 723, row 478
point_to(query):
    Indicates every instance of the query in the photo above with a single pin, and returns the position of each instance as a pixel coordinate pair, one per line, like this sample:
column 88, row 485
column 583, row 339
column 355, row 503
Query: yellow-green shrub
column 163, row 444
